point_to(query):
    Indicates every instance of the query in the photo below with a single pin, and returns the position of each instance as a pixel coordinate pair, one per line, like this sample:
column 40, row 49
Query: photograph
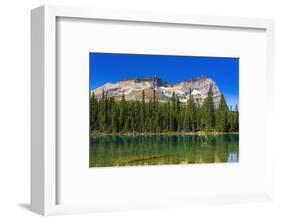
column 147, row 109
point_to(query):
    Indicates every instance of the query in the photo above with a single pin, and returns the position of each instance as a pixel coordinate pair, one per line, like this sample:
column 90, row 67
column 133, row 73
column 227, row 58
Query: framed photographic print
column 139, row 110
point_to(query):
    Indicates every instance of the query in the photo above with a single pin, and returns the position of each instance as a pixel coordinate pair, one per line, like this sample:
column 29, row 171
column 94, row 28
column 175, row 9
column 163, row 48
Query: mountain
column 132, row 89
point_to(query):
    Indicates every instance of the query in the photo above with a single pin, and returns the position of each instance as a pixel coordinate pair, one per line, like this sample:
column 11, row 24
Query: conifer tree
column 93, row 112
column 102, row 113
column 173, row 113
column 192, row 110
column 236, row 118
column 122, row 114
column 222, row 123
column 208, row 112
column 186, row 122
column 143, row 112
column 114, row 119
column 127, row 125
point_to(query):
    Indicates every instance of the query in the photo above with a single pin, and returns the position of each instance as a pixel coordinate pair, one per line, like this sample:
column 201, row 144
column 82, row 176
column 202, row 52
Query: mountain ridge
column 132, row 89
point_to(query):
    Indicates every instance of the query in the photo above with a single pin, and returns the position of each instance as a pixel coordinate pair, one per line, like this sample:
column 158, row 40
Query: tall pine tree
column 208, row 112
column 222, row 123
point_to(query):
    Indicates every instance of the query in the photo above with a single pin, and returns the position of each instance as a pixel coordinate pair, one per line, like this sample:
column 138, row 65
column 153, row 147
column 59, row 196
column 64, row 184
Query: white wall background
column 15, row 107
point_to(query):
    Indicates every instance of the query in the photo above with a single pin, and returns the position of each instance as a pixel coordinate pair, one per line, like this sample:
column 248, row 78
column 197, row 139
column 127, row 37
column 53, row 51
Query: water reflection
column 116, row 150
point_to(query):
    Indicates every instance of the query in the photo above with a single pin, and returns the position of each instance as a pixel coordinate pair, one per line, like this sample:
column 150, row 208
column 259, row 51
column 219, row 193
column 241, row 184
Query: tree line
column 108, row 115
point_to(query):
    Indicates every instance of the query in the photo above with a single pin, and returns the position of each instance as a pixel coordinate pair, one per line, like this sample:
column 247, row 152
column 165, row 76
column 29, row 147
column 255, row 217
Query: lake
column 125, row 150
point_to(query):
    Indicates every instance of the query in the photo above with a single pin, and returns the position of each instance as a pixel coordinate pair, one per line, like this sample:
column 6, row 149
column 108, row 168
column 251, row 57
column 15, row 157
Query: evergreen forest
column 108, row 115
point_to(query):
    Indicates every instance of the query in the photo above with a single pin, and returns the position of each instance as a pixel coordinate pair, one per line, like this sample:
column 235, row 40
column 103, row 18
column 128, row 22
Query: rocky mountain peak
column 155, row 80
column 132, row 89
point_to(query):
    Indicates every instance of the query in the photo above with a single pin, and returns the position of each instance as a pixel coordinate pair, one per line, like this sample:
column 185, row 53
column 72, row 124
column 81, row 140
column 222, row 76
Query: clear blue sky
column 114, row 67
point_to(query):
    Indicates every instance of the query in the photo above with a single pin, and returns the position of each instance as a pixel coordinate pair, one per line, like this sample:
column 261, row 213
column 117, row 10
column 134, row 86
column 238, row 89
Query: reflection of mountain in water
column 118, row 150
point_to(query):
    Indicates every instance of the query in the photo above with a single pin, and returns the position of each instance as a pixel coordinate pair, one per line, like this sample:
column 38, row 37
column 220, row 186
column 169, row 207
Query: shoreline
column 200, row 133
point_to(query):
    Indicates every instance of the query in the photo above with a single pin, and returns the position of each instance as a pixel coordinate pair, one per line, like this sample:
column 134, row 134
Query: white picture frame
column 44, row 103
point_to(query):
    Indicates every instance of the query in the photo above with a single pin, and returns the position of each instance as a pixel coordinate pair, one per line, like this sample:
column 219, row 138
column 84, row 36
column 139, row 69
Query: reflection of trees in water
column 155, row 150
